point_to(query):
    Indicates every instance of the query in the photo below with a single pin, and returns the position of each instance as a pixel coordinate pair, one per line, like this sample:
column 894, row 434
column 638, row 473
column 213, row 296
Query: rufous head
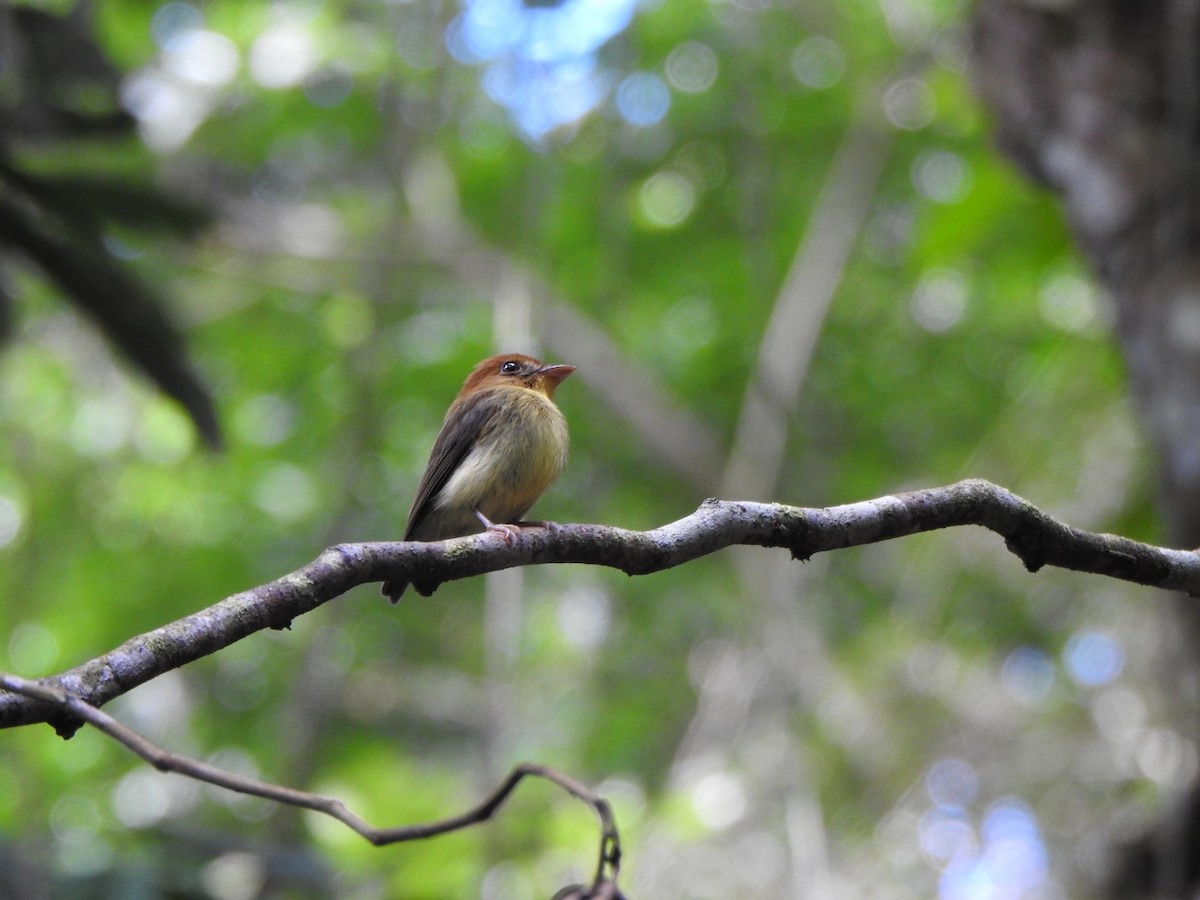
column 517, row 370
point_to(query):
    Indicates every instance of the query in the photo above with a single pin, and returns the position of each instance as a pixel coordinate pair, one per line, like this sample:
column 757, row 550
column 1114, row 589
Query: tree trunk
column 1098, row 100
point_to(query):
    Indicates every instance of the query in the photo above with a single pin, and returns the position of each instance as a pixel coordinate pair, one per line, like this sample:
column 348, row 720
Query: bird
column 502, row 443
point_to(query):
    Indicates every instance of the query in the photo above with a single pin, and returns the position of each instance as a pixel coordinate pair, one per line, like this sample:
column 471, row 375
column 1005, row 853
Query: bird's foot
column 506, row 531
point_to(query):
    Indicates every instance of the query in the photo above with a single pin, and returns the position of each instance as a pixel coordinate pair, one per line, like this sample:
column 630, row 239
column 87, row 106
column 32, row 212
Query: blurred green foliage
column 373, row 212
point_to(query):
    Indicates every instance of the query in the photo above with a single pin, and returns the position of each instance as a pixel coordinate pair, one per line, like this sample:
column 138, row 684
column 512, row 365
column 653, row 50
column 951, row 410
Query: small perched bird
column 502, row 442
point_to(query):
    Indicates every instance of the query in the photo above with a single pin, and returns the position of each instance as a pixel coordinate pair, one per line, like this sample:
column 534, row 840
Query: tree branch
column 603, row 886
column 1035, row 537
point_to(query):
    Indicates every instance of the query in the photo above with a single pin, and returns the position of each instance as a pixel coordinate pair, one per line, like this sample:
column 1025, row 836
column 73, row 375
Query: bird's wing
column 459, row 434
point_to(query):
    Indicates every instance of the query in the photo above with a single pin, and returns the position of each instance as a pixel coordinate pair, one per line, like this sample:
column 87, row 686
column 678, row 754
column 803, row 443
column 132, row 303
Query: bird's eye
column 510, row 367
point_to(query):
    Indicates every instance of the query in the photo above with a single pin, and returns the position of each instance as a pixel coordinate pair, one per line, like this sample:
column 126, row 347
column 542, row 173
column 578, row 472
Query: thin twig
column 165, row 761
column 1035, row 537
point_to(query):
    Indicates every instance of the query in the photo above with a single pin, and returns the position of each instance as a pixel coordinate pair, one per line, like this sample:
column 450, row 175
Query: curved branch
column 1035, row 537
column 166, row 761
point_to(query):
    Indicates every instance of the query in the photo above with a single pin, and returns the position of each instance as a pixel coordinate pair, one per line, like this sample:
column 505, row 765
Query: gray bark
column 1098, row 100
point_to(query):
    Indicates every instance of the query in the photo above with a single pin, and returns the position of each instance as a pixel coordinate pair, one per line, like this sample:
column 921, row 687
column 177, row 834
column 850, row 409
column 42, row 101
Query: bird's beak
column 555, row 373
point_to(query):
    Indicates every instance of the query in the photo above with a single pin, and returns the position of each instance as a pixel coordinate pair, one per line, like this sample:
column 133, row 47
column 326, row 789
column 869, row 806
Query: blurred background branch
column 607, row 867
column 67, row 224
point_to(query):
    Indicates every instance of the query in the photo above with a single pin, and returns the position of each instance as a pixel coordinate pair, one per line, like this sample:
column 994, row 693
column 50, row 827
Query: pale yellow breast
column 514, row 461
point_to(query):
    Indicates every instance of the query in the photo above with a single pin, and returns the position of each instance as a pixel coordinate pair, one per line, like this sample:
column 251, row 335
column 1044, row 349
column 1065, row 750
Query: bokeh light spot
column 264, row 420
column 952, row 783
column 168, row 112
column 484, row 30
column 666, row 199
column 692, row 67
column 140, row 799
column 689, row 328
column 75, row 819
column 719, row 800
column 643, row 99
column 283, row 55
column 12, row 517
column 1120, row 714
column 204, row 58
column 945, row 834
column 101, row 424
column 818, row 62
column 908, row 104
column 941, row 176
column 584, row 617
column 172, row 21
column 348, row 320
column 939, row 300
column 1010, row 861
column 1028, row 674
column 286, row 492
column 1166, row 757
column 540, row 61
column 235, row 876
column 164, row 435
column 1093, row 658
column 1067, row 301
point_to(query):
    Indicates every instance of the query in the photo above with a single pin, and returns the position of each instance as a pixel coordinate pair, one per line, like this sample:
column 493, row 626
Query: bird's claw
column 508, row 533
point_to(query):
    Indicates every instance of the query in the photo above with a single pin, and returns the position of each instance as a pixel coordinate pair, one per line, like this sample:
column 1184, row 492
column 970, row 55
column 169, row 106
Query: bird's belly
column 504, row 475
